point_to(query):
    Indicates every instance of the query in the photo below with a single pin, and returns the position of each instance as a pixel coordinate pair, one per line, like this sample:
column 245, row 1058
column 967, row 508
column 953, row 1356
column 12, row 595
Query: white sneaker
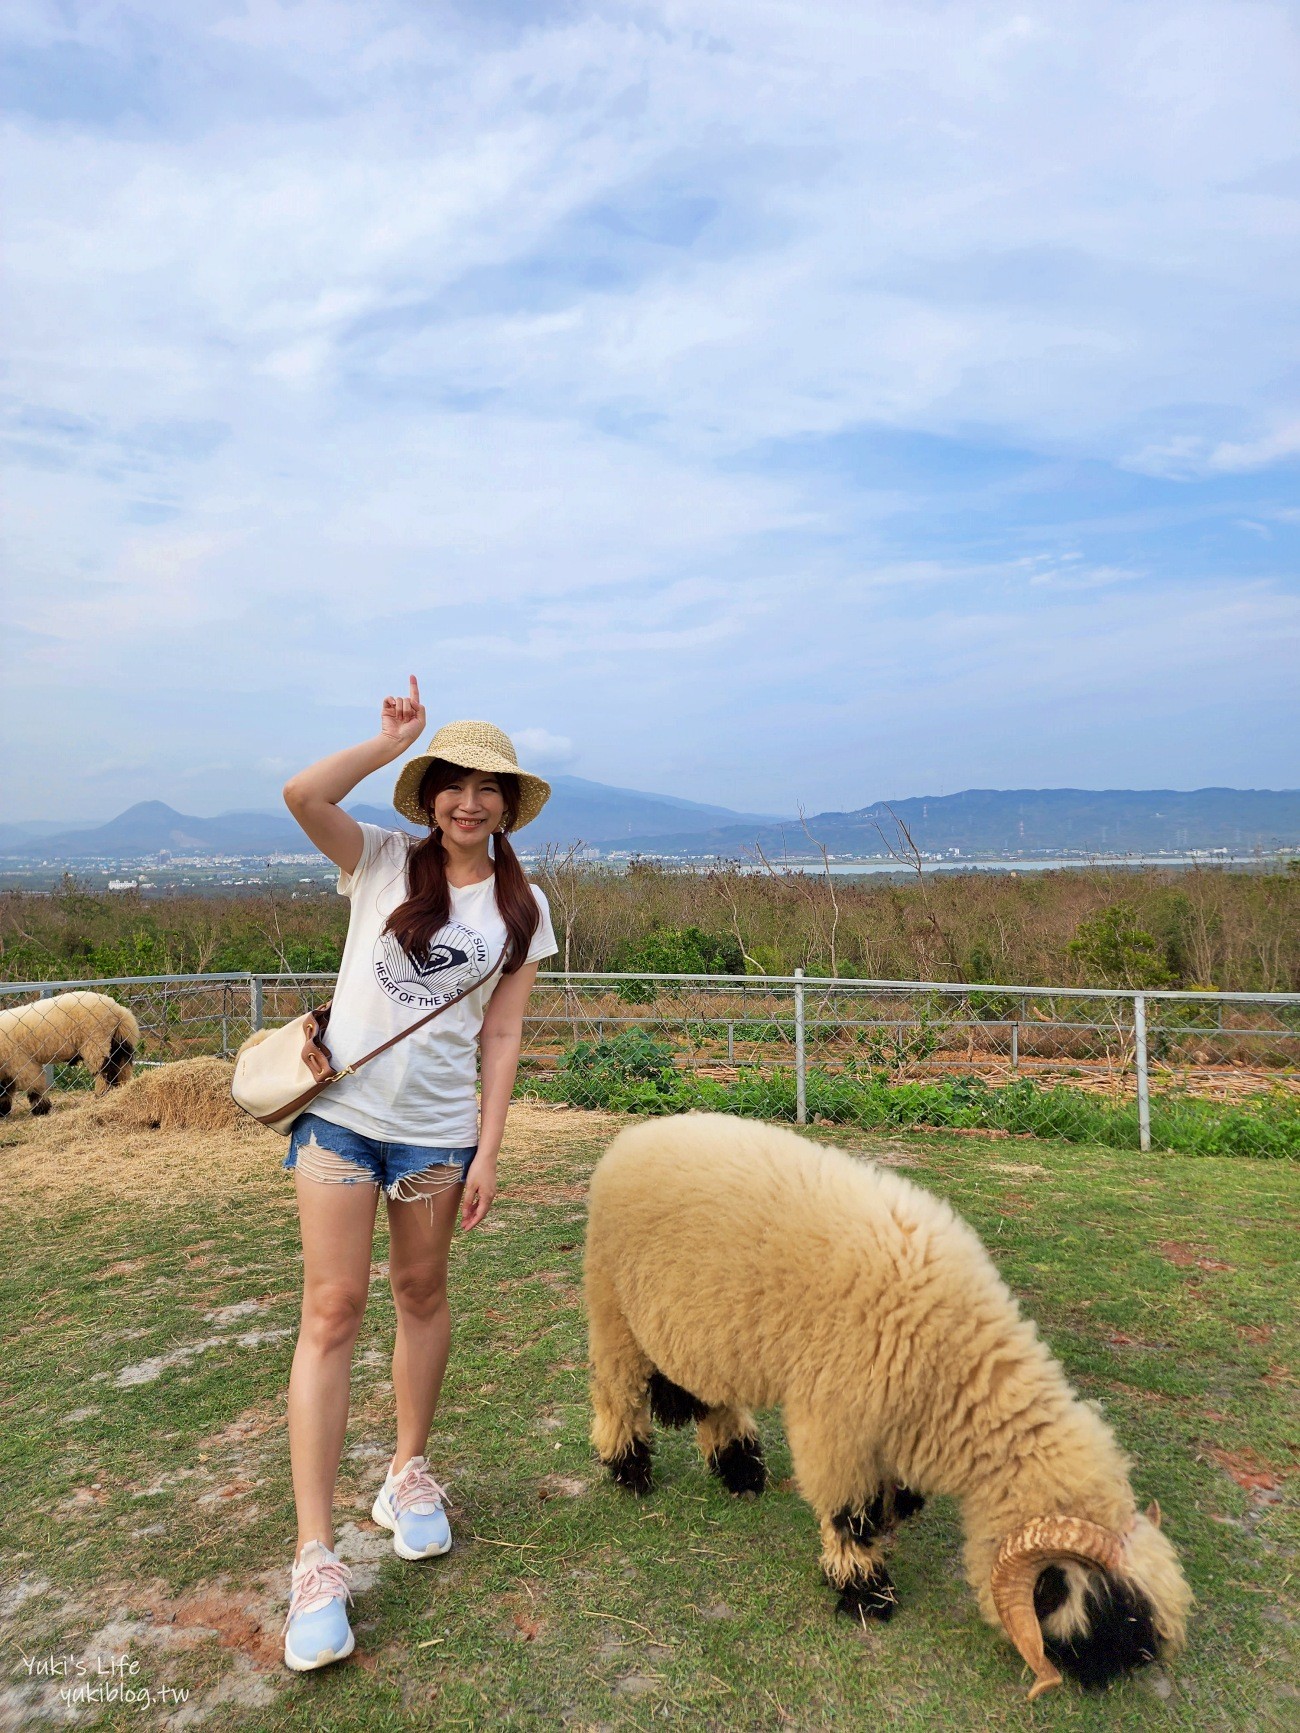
column 316, row 1629
column 410, row 1504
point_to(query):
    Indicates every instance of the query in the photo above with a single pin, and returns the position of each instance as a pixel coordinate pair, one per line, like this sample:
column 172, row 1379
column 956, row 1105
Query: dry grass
column 191, row 1095
column 81, row 1147
column 1237, row 930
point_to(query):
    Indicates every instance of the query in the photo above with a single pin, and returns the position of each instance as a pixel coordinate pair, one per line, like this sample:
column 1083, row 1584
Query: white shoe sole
column 380, row 1515
column 323, row 1657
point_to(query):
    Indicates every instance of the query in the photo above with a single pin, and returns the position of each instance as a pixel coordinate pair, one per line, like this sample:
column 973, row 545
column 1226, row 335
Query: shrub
column 674, row 951
column 631, row 1055
column 1116, row 952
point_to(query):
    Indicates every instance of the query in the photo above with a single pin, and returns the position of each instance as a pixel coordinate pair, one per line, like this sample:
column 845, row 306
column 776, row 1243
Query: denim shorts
column 333, row 1149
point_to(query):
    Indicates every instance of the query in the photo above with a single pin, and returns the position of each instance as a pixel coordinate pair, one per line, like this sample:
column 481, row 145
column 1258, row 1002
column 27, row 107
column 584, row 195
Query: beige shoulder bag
column 279, row 1074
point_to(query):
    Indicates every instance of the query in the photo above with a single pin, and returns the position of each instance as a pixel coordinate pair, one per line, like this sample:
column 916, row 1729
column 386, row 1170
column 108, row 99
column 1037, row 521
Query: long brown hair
column 428, row 895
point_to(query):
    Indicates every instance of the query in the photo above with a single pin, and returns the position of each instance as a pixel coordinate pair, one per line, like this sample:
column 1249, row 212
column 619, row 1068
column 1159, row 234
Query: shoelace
column 416, row 1486
column 322, row 1580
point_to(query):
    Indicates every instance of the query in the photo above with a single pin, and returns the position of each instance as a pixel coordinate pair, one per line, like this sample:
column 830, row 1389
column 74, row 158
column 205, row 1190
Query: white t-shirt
column 421, row 1091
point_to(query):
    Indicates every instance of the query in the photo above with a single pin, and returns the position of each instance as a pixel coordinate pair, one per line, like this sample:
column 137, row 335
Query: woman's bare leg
column 420, row 1231
column 338, row 1225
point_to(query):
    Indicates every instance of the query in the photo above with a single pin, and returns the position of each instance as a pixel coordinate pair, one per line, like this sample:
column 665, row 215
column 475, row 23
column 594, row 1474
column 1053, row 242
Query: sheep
column 732, row 1265
column 86, row 1026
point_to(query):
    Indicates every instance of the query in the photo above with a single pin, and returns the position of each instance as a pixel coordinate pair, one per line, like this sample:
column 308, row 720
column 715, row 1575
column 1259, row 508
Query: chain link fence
column 1205, row 1072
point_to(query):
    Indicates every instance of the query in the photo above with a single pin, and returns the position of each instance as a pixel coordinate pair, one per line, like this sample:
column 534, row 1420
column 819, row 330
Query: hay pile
column 191, row 1095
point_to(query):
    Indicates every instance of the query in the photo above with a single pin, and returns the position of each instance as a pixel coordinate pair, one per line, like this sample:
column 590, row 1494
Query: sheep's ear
column 1153, row 1514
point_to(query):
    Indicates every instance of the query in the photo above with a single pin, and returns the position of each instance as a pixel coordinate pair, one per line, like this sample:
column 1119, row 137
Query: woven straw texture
column 473, row 746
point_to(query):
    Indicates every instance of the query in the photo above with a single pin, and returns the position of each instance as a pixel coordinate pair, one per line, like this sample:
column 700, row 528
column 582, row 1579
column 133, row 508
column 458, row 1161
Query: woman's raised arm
column 313, row 795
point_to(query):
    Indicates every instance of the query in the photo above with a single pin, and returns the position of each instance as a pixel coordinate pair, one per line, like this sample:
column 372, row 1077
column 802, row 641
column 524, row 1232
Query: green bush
column 1116, row 952
column 631, row 1056
column 674, row 951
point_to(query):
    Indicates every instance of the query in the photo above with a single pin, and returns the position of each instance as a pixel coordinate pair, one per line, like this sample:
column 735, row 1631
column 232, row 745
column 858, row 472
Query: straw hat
column 473, row 746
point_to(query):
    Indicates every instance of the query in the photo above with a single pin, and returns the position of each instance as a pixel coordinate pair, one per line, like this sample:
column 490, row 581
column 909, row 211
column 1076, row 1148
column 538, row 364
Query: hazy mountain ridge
column 1033, row 821
column 578, row 810
column 975, row 821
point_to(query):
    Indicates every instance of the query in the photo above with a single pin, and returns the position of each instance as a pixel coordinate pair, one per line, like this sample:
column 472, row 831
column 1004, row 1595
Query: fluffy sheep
column 732, row 1265
column 86, row 1026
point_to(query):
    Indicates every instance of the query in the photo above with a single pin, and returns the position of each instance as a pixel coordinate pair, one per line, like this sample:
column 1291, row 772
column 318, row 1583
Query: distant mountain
column 151, row 826
column 1030, row 821
column 578, row 811
column 11, row 833
column 980, row 821
column 592, row 812
column 602, row 816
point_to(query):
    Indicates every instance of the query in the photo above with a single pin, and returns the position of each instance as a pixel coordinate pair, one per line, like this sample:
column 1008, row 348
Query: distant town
column 310, row 874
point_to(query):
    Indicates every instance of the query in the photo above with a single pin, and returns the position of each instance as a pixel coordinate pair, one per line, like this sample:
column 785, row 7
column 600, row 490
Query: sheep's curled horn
column 1015, row 1571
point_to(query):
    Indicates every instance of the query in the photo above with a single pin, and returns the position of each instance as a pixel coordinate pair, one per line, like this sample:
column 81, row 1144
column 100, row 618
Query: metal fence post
column 731, row 1043
column 1015, row 1046
column 255, row 1001
column 1140, row 1059
column 48, row 993
column 800, row 1069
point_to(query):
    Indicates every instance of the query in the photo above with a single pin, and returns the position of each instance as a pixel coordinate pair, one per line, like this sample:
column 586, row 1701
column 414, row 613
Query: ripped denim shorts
column 332, row 1153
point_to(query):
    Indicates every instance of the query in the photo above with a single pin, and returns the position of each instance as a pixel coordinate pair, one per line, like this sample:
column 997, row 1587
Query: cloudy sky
column 752, row 401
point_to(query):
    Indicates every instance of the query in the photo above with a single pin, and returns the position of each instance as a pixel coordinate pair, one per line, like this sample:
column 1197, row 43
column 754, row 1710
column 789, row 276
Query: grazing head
column 1077, row 1598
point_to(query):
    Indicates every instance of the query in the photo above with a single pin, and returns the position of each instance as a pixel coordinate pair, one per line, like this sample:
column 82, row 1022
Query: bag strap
column 402, row 1034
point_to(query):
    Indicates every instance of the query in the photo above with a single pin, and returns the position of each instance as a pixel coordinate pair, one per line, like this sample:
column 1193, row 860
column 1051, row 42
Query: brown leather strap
column 402, row 1034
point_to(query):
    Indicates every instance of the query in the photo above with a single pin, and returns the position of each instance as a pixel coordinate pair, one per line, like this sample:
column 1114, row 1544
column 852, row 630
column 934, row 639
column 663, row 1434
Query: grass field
column 150, row 1291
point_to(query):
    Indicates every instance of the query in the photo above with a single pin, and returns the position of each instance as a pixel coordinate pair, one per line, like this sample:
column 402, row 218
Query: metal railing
column 1227, row 1046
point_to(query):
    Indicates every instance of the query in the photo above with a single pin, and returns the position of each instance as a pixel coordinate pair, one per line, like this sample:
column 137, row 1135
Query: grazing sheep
column 731, row 1265
column 86, row 1026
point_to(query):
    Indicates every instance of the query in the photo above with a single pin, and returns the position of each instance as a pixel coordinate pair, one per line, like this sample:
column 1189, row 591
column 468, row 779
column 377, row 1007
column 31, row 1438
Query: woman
column 445, row 921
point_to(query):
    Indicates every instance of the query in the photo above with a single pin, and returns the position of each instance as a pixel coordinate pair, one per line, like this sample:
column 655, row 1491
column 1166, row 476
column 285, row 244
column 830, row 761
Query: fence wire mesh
column 1209, row 1072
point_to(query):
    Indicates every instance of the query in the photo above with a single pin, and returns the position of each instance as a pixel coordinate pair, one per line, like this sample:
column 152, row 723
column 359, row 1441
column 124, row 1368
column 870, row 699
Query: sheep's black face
column 1094, row 1628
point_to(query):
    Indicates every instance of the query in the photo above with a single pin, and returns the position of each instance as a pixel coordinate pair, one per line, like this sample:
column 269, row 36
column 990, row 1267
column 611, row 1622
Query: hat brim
column 534, row 791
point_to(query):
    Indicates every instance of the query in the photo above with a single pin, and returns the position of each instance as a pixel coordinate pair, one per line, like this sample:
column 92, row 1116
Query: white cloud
column 540, row 746
column 1234, row 458
column 1191, row 454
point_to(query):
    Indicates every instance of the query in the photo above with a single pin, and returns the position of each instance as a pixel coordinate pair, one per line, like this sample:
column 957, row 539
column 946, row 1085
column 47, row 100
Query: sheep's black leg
column 40, row 1102
column 729, row 1443
column 907, row 1503
column 672, row 1406
column 868, row 1595
column 631, row 1469
column 873, row 1520
column 852, row 1562
column 740, row 1466
column 6, row 1098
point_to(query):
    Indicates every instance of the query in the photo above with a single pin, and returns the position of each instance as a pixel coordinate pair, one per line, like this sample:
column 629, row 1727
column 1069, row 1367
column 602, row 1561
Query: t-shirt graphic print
column 455, row 958
column 423, row 1090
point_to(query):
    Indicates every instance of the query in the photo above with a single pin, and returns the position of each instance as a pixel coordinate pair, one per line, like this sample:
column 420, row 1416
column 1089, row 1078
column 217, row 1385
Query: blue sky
column 759, row 403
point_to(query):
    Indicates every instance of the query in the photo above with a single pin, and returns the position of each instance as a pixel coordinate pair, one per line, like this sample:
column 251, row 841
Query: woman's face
column 469, row 808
